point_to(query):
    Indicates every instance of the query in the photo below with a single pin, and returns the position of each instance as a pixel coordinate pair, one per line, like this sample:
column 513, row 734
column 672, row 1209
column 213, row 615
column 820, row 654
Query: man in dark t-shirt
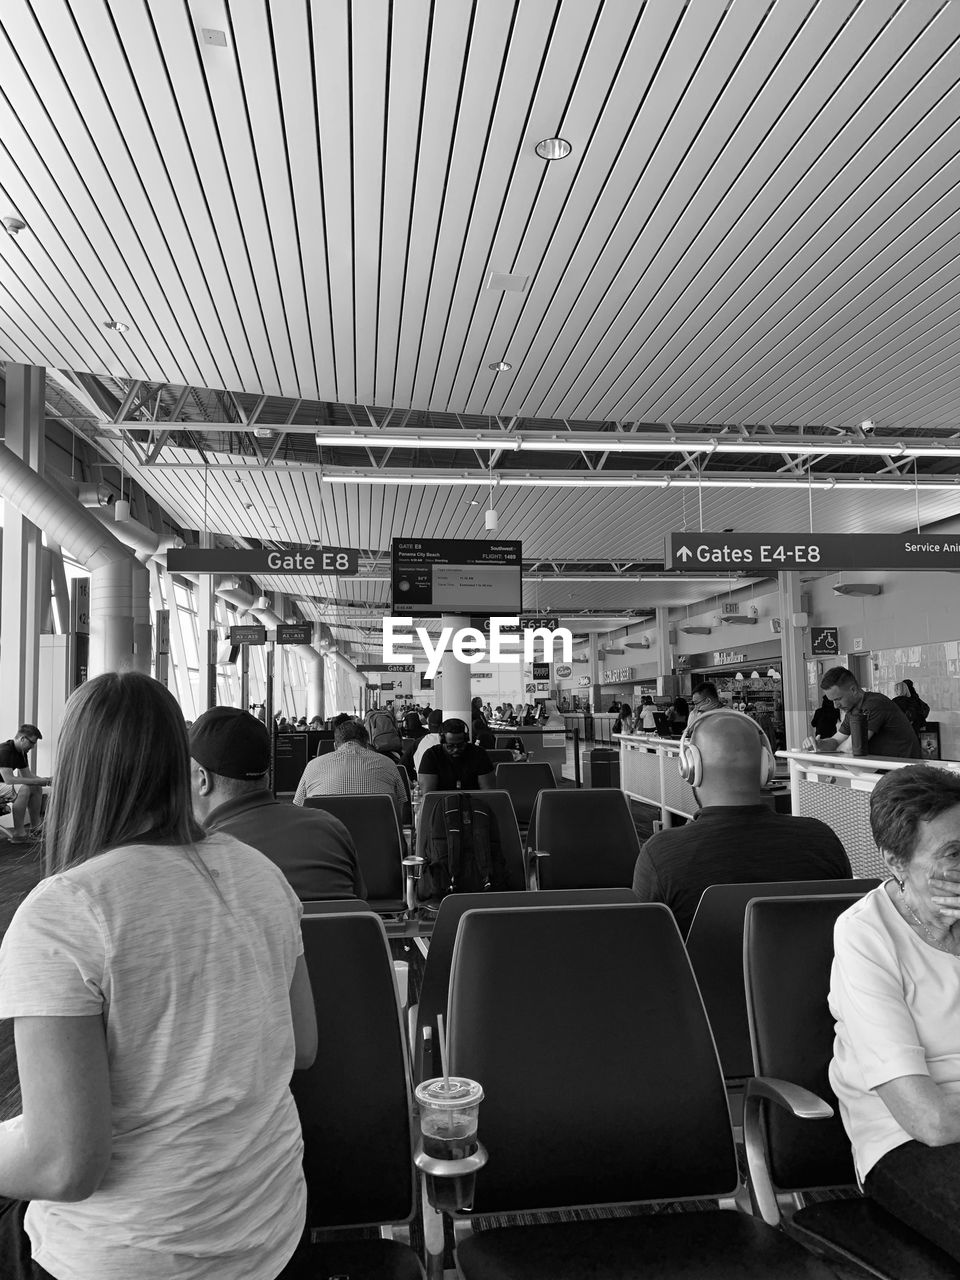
column 889, row 732
column 455, row 764
column 230, row 752
column 20, row 786
column 735, row 838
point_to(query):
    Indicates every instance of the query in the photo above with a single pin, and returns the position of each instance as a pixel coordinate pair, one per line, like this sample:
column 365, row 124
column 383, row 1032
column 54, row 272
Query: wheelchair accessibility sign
column 824, row 642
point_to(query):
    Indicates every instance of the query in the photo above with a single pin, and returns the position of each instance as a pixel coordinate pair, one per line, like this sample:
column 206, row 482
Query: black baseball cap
column 230, row 742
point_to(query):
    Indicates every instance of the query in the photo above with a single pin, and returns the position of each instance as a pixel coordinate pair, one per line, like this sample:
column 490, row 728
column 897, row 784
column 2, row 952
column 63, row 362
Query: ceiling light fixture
column 13, row 225
column 500, row 366
column 117, row 326
column 553, row 149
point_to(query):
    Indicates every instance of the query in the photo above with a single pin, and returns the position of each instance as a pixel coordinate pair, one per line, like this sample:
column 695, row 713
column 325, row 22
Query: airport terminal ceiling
column 300, row 270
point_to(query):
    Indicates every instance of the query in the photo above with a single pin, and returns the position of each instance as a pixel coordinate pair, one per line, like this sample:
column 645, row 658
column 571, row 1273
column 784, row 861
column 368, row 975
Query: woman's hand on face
column 945, row 892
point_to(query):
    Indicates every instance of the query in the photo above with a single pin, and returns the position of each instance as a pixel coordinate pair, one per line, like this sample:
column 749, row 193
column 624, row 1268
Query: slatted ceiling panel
column 332, row 71
column 545, row 342
column 56, row 323
column 203, row 186
column 580, row 63
column 861, row 250
column 449, row 35
column 122, row 130
column 668, row 181
column 369, row 43
column 837, row 171
column 255, row 94
column 502, row 80
column 74, row 131
column 703, row 211
column 408, row 42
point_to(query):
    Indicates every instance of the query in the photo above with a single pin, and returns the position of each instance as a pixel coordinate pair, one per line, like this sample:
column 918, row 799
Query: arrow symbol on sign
column 684, row 553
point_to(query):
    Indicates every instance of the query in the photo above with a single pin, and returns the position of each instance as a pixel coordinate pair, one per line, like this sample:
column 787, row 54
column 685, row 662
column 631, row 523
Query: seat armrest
column 801, row 1103
column 535, row 857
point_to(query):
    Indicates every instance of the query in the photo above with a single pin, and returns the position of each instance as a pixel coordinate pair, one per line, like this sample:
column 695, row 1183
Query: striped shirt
column 352, row 770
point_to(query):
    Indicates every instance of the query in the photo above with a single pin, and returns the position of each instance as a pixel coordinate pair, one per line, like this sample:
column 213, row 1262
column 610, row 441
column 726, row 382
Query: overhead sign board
column 526, row 623
column 400, row 668
column 248, row 635
column 335, row 561
column 824, row 642
column 294, row 633
column 777, row 552
column 434, row 576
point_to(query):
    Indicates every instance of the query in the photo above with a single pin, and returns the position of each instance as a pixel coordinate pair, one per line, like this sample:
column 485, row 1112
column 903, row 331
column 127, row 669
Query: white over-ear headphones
column 691, row 761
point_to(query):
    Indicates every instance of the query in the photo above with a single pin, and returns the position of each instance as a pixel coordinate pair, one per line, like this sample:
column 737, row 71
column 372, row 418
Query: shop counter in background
column 548, row 745
column 835, row 787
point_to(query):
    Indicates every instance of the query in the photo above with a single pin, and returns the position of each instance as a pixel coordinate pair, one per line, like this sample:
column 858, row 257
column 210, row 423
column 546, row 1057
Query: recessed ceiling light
column 553, row 149
column 474, row 502
column 500, row 366
column 117, row 326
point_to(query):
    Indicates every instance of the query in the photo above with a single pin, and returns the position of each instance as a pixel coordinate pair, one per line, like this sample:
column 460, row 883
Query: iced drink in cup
column 448, row 1123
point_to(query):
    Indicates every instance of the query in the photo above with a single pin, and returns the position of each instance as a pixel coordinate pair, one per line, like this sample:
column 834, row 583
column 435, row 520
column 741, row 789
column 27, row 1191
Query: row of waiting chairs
column 584, row 1024
column 576, row 839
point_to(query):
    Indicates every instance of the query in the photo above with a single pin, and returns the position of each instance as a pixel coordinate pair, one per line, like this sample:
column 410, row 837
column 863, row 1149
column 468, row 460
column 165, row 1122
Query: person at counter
column 735, row 838
column 895, row 995
column 678, row 715
column 624, row 722
column 704, row 698
column 889, row 732
column 648, row 715
column 455, row 764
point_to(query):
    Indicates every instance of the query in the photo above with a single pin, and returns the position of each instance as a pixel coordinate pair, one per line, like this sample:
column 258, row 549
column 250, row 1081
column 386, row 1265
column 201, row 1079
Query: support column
column 22, row 602
column 665, row 662
column 111, row 617
column 593, row 668
column 794, row 664
column 142, row 630
column 455, row 677
column 206, row 633
column 315, row 683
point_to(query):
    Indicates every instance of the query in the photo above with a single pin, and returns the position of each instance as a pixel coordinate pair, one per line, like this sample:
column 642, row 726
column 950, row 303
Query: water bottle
column 858, row 732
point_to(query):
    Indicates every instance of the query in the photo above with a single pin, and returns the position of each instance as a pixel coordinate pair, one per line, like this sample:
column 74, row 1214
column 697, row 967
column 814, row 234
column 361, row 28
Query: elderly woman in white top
column 895, row 994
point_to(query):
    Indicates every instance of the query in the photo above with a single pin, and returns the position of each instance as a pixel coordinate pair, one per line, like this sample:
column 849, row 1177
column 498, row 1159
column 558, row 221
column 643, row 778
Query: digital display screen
column 433, row 576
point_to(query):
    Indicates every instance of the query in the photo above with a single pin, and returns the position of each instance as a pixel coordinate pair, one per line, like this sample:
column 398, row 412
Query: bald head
column 730, row 747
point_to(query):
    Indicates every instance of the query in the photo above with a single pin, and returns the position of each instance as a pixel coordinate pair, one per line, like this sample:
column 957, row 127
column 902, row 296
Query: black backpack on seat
column 462, row 850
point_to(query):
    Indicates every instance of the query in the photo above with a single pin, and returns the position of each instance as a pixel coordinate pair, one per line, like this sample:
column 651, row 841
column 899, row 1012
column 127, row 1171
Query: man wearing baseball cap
column 21, row 788
column 231, row 757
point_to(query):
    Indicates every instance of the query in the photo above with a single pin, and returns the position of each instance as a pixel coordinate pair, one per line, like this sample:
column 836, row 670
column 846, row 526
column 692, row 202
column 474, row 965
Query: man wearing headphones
column 736, row 837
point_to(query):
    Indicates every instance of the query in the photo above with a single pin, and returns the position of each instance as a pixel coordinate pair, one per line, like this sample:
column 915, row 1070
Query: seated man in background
column 353, row 768
column 230, row 753
column 889, row 732
column 21, row 787
column 735, row 838
column 455, row 764
column 430, row 739
column 703, row 699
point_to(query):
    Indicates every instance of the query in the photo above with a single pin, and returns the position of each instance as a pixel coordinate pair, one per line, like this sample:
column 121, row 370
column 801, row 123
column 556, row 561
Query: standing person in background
column 912, row 705
column 679, row 714
column 648, row 713
column 625, row 722
column 159, row 1137
column 888, row 730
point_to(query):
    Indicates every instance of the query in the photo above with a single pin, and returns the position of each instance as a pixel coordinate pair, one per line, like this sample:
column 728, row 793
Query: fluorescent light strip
column 620, row 442
column 580, row 480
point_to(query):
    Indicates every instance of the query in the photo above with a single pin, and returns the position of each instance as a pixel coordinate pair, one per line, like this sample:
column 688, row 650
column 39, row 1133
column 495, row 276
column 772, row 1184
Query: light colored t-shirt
column 896, row 1001
column 205, row 1179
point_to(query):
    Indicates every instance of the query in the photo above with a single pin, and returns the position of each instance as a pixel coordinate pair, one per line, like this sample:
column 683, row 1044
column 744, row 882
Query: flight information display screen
column 433, row 576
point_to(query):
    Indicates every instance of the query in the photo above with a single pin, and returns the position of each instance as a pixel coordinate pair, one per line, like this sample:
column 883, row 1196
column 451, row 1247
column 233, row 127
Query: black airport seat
column 381, row 848
column 436, row 973
column 500, row 807
column 583, row 839
column 355, row 1101
column 524, row 781
column 586, row 1030
column 715, row 948
column 794, row 1137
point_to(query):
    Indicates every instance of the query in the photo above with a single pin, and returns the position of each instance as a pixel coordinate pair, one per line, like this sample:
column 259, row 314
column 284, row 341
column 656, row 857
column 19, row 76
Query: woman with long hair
column 161, row 1003
column 911, row 704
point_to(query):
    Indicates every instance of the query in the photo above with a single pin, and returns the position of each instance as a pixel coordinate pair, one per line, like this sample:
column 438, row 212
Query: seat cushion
column 359, row 1260
column 864, row 1232
column 721, row 1244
